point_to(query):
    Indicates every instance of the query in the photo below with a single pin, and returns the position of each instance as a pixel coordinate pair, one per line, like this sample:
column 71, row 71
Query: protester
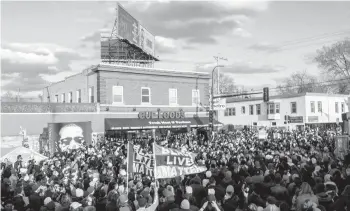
column 295, row 171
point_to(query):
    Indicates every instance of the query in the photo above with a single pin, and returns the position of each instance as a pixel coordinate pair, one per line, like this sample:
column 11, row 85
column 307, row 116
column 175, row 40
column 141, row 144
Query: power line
column 324, row 83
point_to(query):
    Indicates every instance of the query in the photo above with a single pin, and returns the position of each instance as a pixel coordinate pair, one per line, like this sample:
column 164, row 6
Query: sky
column 263, row 41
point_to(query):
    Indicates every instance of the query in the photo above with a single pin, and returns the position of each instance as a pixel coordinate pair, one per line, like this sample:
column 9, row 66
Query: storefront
column 154, row 124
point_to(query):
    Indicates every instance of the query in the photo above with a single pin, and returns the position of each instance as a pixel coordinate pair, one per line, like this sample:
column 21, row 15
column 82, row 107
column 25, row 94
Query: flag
column 140, row 162
column 171, row 163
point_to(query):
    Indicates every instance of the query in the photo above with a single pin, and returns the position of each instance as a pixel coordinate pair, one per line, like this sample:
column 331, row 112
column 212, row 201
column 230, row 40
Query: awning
column 132, row 124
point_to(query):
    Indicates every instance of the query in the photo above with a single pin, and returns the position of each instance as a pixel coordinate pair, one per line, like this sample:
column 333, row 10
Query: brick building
column 128, row 92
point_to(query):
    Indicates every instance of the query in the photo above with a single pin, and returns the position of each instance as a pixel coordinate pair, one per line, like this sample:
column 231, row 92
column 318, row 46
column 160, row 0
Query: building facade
column 286, row 110
column 123, row 86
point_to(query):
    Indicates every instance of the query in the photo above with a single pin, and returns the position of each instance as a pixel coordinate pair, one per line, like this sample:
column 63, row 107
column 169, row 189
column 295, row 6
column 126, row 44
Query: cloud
column 242, row 33
column 25, row 65
column 267, row 47
column 194, row 21
column 166, row 45
column 87, row 20
column 96, row 36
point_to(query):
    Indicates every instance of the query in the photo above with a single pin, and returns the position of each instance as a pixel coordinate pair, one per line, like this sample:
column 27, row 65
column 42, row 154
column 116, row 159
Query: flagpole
column 155, row 162
column 127, row 168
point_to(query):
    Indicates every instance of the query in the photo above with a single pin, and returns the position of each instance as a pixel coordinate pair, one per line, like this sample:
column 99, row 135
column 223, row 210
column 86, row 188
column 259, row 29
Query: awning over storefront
column 132, row 124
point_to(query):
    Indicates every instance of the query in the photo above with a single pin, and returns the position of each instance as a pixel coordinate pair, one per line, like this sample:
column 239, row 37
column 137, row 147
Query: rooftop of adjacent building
column 284, row 96
column 138, row 70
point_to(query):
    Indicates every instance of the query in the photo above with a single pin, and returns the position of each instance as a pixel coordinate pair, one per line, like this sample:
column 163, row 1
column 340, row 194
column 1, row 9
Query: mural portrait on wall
column 69, row 136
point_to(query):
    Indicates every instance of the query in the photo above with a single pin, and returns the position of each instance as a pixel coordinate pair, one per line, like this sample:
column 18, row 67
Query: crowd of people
column 294, row 170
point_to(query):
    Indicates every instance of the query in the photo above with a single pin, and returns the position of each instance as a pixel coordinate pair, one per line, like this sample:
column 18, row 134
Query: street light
column 212, row 89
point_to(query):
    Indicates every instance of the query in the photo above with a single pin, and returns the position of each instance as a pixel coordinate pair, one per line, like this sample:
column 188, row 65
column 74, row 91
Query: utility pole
column 217, row 59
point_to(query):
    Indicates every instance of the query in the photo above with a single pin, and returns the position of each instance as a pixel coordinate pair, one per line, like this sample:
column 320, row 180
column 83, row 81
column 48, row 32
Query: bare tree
column 335, row 63
column 9, row 95
column 227, row 84
column 300, row 82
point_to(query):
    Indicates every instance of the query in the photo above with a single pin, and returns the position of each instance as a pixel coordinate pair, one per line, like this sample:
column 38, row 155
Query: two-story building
column 286, row 110
column 138, row 98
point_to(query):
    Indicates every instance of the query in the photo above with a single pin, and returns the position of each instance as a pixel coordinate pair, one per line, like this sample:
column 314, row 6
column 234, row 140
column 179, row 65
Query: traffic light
column 210, row 117
column 266, row 94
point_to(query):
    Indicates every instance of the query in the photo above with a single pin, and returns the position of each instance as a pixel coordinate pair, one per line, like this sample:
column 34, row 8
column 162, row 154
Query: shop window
column 243, row 110
column 293, row 106
column 145, row 95
column 258, row 109
column 78, row 96
column 226, row 112
column 277, row 108
column 251, row 109
column 273, row 123
column 230, row 112
column 91, row 95
column 233, row 111
column 195, row 97
column 173, row 96
column 56, row 99
column 312, row 106
column 272, row 108
column 118, row 92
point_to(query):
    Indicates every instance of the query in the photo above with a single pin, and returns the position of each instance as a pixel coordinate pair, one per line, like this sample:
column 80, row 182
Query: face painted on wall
column 71, row 137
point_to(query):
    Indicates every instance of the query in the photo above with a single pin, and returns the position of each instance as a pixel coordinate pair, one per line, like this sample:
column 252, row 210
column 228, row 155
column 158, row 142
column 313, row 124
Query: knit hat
column 47, row 200
column 142, row 202
column 211, row 191
column 208, row 174
column 79, row 193
column 189, row 190
column 230, row 189
column 185, row 204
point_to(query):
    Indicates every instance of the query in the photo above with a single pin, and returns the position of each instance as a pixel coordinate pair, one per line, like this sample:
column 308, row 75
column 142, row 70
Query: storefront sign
column 161, row 115
column 296, row 119
column 312, row 119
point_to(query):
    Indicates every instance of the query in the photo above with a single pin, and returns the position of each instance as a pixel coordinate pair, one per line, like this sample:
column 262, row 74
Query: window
column 230, row 112
column 273, row 123
column 173, row 96
column 145, row 95
column 258, row 109
column 63, row 99
column 271, row 108
column 91, row 95
column 243, row 110
column 226, row 112
column 251, row 109
column 70, row 97
column 195, row 97
column 233, row 111
column 336, row 107
column 56, row 99
column 118, row 93
column 312, row 105
column 78, row 96
column 342, row 108
column 319, row 105
column 293, row 106
column 277, row 108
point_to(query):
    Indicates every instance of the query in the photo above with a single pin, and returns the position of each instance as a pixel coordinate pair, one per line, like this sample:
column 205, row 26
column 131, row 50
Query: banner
column 147, row 40
column 140, row 162
column 171, row 163
column 69, row 135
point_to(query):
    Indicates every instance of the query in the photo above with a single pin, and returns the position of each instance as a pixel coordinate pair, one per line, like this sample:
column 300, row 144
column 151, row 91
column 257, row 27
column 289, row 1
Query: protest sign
column 172, row 163
column 140, row 162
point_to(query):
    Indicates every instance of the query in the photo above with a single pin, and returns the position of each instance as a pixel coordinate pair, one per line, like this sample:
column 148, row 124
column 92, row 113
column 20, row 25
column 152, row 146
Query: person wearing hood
column 231, row 201
column 169, row 196
column 227, row 179
column 324, row 199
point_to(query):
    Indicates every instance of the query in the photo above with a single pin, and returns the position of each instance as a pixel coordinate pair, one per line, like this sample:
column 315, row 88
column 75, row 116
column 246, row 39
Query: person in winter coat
column 231, row 201
column 304, row 194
